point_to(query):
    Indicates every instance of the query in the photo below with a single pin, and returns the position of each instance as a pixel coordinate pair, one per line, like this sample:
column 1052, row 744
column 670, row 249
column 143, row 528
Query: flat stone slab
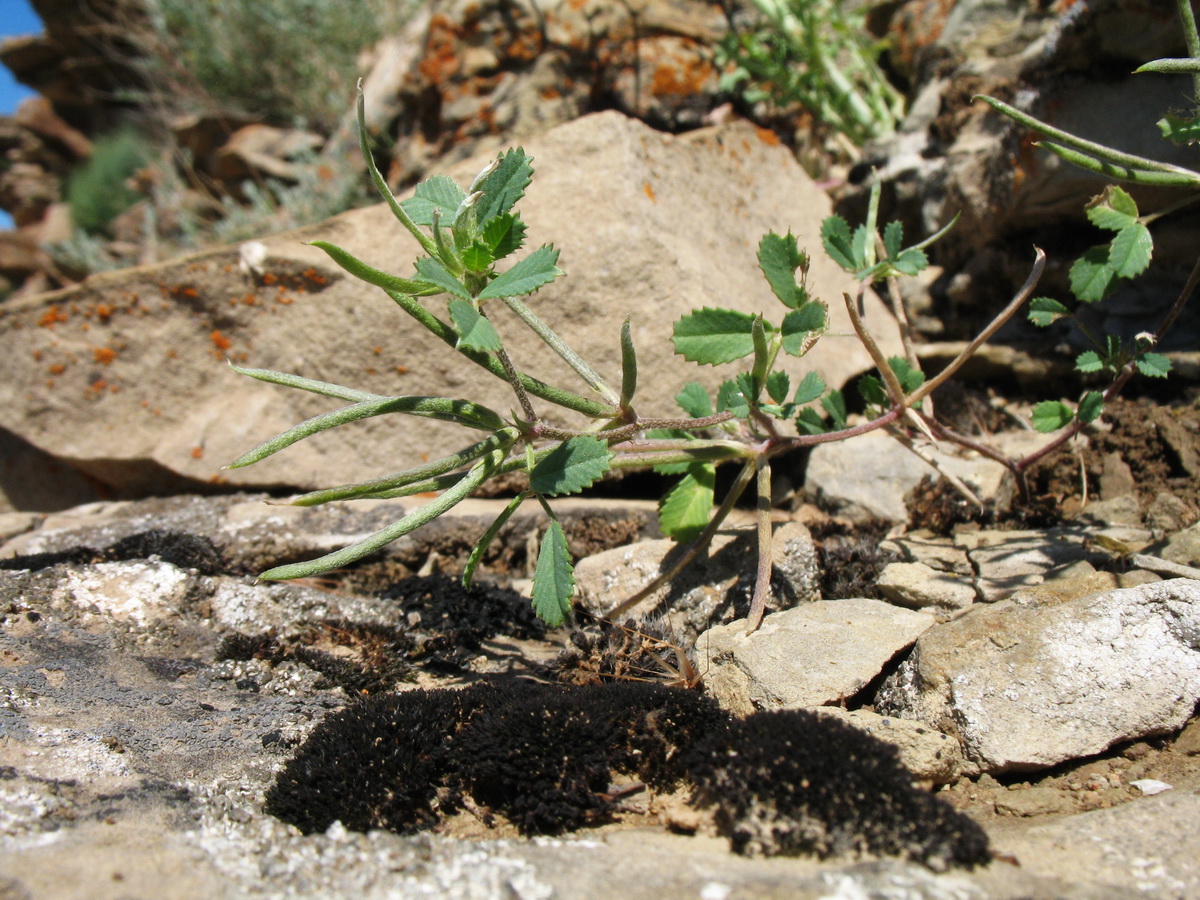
column 811, row 655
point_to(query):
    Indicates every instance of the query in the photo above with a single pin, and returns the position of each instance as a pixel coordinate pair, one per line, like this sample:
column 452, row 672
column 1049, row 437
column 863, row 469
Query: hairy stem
column 762, row 575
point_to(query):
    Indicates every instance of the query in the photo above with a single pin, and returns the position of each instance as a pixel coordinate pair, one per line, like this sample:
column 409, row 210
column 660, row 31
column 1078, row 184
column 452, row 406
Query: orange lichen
column 269, row 278
column 549, row 92
column 767, row 136
column 649, row 191
column 104, row 355
column 686, row 77
column 172, row 354
column 220, row 341
column 52, row 317
column 401, row 370
column 57, row 369
column 315, row 277
column 37, row 355
column 197, row 453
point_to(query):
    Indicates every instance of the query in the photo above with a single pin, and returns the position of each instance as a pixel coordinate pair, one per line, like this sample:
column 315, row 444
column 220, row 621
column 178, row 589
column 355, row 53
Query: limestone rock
column 123, row 377
column 811, row 655
column 869, row 476
column 918, row 586
column 1027, row 685
column 714, row 588
column 1007, row 560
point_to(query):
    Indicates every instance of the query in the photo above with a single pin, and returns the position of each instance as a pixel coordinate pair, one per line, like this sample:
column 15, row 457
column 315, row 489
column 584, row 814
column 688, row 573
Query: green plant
column 97, row 191
column 814, row 53
column 464, row 233
column 283, row 60
column 1096, row 274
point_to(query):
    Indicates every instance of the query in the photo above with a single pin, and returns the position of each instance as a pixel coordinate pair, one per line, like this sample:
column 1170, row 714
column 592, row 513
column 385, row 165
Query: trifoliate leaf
column 438, row 192
column 1179, row 130
column 477, row 257
column 1130, row 251
column 810, row 422
column 731, row 398
column 574, row 464
column 694, row 400
column 433, row 272
column 910, row 378
column 1113, row 210
column 475, row 332
column 859, row 244
column 684, row 512
column 893, row 239
column 779, row 258
column 912, row 261
column 871, row 388
column 801, row 327
column 535, row 270
column 1051, row 415
column 553, row 579
column 1090, row 407
column 505, row 186
column 714, row 336
column 1089, row 361
column 1045, row 311
column 809, row 389
column 778, row 384
column 835, row 237
column 1091, row 275
column 1154, row 364
column 504, row 234
column 835, row 405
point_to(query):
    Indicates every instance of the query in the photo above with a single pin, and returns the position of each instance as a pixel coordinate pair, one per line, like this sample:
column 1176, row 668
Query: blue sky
column 16, row 17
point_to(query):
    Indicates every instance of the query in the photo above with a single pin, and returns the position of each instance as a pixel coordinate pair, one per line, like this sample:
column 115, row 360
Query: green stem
column 1190, row 35
column 762, row 575
column 559, row 346
column 558, row 396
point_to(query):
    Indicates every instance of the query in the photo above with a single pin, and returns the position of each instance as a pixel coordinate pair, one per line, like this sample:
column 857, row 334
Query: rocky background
column 1040, row 673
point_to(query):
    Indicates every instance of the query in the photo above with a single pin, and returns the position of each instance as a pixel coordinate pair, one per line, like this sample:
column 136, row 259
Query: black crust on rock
column 544, row 756
column 792, row 781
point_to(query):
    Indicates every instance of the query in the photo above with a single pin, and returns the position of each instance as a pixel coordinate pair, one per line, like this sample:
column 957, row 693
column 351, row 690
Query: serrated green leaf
column 505, row 186
column 799, row 327
column 1089, row 361
column 779, row 258
column 685, row 511
column 553, row 579
column 1091, row 407
column 694, row 400
column 1051, row 415
column 433, row 272
column 778, row 384
column 535, row 270
column 731, row 398
column 1180, row 130
column 477, row 257
column 810, row 422
column 811, row 387
column 910, row 378
column 1154, row 364
column 475, row 332
column 1091, row 275
column 714, row 336
column 1130, row 251
column 505, row 234
column 893, row 239
column 911, row 262
column 1045, row 311
column 870, row 387
column 1112, row 210
column 838, row 244
column 438, row 192
column 835, row 404
column 573, row 465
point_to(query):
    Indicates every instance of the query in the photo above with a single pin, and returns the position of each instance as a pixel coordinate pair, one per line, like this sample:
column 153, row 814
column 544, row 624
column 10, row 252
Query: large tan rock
column 124, row 376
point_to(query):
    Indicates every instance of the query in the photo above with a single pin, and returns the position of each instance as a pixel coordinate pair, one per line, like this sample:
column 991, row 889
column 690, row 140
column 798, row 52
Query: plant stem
column 559, row 346
column 1035, row 274
column 696, row 547
column 762, row 575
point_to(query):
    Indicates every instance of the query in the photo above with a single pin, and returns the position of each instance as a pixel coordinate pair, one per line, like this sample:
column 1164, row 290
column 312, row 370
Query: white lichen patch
column 137, row 592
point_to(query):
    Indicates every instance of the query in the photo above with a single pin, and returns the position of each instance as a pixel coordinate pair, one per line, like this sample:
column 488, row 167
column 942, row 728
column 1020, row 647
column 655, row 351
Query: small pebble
column 1150, row 786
